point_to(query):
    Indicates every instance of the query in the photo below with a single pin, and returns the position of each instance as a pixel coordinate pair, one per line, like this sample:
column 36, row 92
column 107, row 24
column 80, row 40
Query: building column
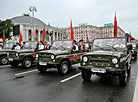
column 27, row 36
column 60, row 36
column 53, row 35
column 57, row 35
column 39, row 34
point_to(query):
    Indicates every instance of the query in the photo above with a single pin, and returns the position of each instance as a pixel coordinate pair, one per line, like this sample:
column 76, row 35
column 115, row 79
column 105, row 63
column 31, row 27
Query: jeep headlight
column 132, row 50
column 7, row 53
column 36, row 55
column 114, row 60
column 52, row 56
column 17, row 54
column 85, row 59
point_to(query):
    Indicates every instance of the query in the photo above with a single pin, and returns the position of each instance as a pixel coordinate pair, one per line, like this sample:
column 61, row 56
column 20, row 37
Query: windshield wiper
column 62, row 47
column 112, row 47
column 100, row 47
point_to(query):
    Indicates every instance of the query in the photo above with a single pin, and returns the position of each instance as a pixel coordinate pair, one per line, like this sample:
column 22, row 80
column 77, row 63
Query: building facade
column 81, row 32
column 25, row 23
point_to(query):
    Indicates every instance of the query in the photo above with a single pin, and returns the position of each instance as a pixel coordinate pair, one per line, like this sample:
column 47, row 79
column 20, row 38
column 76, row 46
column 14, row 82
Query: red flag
column 71, row 31
column 115, row 26
column 37, row 39
column 130, row 37
column 87, row 39
column 4, row 40
column 20, row 39
column 44, row 35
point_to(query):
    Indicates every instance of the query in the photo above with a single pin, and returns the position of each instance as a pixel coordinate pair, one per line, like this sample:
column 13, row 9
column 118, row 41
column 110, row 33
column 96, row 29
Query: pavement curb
column 135, row 97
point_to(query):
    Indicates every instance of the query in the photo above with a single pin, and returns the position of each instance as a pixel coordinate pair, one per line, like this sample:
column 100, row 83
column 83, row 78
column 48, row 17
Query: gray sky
column 60, row 12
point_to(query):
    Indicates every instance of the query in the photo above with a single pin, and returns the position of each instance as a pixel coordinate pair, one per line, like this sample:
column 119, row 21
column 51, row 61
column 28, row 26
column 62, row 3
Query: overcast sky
column 60, row 12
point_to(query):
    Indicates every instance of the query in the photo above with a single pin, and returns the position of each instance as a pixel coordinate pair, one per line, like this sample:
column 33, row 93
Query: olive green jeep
column 26, row 55
column 3, row 53
column 109, row 56
column 134, row 50
column 61, row 55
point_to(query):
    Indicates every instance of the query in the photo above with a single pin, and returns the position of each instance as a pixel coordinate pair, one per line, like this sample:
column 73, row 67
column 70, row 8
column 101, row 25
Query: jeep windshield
column 61, row 45
column 8, row 46
column 30, row 45
column 109, row 43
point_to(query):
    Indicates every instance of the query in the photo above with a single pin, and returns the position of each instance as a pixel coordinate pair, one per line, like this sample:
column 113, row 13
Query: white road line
column 135, row 97
column 70, row 77
column 26, row 72
column 4, row 66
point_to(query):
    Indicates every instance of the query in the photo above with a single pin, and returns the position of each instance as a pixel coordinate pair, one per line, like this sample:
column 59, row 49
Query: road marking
column 4, row 66
column 135, row 97
column 26, row 72
column 70, row 77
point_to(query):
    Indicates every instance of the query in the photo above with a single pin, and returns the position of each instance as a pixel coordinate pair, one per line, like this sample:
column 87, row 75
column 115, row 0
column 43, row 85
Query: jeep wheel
column 14, row 64
column 86, row 75
column 3, row 60
column 64, row 68
column 41, row 68
column 27, row 63
column 123, row 79
column 135, row 58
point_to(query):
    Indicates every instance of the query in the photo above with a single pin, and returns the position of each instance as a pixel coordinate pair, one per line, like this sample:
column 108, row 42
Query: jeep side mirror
column 130, row 47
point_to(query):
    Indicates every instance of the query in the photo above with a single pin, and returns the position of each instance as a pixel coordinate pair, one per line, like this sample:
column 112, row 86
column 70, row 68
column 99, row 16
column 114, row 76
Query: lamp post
column 32, row 9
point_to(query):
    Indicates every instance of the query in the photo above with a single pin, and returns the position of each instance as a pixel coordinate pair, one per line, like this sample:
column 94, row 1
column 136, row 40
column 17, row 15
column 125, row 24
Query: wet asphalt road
column 46, row 87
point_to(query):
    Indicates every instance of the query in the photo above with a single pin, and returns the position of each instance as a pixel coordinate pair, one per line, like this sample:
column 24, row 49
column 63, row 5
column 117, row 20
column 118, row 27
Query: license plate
column 98, row 70
column 10, row 59
column 42, row 63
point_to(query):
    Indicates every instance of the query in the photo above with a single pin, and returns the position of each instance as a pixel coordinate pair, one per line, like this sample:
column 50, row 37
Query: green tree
column 6, row 28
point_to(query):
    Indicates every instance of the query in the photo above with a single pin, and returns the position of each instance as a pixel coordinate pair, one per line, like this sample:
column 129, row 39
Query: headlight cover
column 52, row 56
column 17, row 54
column 114, row 60
column 36, row 55
column 85, row 59
column 7, row 53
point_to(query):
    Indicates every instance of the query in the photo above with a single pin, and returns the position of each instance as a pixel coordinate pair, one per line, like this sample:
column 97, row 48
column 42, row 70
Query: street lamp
column 32, row 9
column 94, row 32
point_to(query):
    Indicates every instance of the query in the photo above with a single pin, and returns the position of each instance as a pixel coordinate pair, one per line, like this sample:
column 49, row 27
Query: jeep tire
column 135, row 58
column 41, row 68
column 3, row 60
column 27, row 63
column 64, row 68
column 123, row 79
column 86, row 75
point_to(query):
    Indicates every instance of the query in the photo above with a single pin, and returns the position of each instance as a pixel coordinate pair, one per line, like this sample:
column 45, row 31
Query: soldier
column 23, row 45
column 119, row 44
column 41, row 46
column 18, row 47
column 75, row 47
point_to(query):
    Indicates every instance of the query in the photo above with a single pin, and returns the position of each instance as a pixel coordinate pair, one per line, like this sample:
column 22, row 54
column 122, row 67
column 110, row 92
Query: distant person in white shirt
column 41, row 46
column 0, row 47
column 119, row 44
column 18, row 47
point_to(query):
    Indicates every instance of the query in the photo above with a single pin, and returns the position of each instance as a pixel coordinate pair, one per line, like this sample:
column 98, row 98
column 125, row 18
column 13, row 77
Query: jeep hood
column 105, row 53
column 23, row 50
column 55, row 52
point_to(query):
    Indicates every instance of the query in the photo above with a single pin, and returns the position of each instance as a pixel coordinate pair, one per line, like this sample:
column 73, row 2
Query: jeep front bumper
column 101, row 71
column 49, row 65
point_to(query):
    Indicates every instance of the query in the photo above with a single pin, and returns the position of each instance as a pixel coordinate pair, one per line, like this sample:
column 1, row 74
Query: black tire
column 14, row 64
column 86, row 76
column 123, row 79
column 64, row 68
column 135, row 58
column 3, row 60
column 41, row 68
column 129, row 71
column 27, row 63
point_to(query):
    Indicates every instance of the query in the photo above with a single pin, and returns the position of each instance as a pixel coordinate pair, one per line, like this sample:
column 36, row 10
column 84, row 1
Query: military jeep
column 61, row 56
column 134, row 50
column 3, row 53
column 25, row 56
column 109, row 56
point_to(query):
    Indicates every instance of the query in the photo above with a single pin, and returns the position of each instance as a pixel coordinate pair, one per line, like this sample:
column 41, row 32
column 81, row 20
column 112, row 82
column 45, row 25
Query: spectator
column 18, row 47
column 48, row 46
column 80, row 44
column 0, row 47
